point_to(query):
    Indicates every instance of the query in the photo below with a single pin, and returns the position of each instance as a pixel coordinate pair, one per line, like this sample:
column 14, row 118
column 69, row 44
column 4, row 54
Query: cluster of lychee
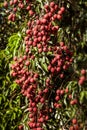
column 82, row 78
column 16, row 6
column 39, row 41
column 61, row 61
column 75, row 125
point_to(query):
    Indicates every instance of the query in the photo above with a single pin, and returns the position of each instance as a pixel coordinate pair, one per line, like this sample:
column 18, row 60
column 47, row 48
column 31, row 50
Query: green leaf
column 44, row 66
column 32, row 64
column 68, row 114
column 82, row 95
column 41, row 4
column 8, row 78
column 13, row 44
column 8, row 112
column 0, row 100
column 13, row 86
column 86, row 94
column 49, row 53
column 13, row 116
column 65, row 100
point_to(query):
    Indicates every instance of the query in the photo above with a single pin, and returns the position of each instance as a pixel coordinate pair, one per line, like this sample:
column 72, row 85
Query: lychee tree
column 46, row 64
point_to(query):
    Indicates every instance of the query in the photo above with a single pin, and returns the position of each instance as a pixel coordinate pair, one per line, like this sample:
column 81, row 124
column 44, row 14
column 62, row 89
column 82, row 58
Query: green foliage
column 10, row 96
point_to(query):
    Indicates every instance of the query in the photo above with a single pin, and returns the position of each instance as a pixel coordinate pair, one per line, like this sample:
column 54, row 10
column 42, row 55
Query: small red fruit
column 11, row 2
column 41, row 120
column 83, row 71
column 57, row 98
column 56, row 7
column 31, row 12
column 15, row 1
column 5, row 4
column 46, row 7
column 52, row 70
column 15, row 58
column 44, row 21
column 61, row 76
column 60, row 12
column 70, row 96
column 61, row 92
column 59, row 17
column 28, row 7
column 20, row 127
column 46, row 118
column 82, row 80
column 10, row 16
column 39, row 128
column 66, row 90
column 62, row 9
column 52, row 4
column 61, row 44
column 76, row 127
column 15, row 9
column 27, row 63
column 73, row 102
column 71, row 128
column 74, row 121
column 42, row 100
